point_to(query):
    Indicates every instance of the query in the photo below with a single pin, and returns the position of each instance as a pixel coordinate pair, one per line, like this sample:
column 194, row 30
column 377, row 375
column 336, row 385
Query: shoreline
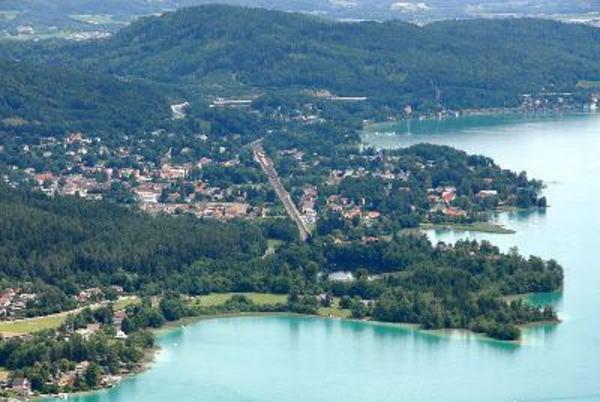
column 151, row 355
column 147, row 363
column 372, row 126
column 478, row 227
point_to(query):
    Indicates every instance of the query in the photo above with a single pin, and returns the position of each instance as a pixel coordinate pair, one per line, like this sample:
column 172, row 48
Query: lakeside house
column 487, row 193
column 341, row 276
column 20, row 385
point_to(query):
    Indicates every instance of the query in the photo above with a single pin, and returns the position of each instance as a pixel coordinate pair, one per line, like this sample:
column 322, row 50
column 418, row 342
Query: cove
column 291, row 358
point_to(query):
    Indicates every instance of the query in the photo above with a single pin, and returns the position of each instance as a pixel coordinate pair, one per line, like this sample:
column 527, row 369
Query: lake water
column 297, row 359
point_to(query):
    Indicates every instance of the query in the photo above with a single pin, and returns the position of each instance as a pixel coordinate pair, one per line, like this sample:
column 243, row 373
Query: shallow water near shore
column 297, row 359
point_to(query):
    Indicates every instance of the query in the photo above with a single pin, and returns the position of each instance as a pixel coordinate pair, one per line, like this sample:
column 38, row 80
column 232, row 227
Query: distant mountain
column 66, row 18
column 458, row 64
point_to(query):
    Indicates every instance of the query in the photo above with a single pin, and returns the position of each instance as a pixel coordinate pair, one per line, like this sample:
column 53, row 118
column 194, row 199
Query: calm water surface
column 296, row 359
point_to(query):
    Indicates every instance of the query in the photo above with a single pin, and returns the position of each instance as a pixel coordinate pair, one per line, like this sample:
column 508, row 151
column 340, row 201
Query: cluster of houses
column 13, row 303
column 21, row 386
column 67, row 378
column 95, row 294
column 155, row 188
column 337, row 176
column 213, row 210
column 441, row 199
column 349, row 209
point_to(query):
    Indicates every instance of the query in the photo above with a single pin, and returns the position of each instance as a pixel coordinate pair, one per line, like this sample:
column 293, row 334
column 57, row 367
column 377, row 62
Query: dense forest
column 69, row 243
column 456, row 64
column 40, row 100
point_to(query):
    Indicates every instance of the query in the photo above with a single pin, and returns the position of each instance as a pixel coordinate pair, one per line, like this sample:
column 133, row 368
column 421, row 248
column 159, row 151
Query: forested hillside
column 223, row 50
column 457, row 64
column 56, row 100
column 69, row 243
column 109, row 15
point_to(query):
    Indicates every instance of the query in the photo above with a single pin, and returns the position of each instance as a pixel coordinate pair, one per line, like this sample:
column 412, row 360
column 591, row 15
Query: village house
column 75, row 138
column 118, row 289
column 169, row 172
column 20, row 385
column 487, row 193
column 66, row 379
column 370, row 239
column 146, row 197
column 42, row 178
column 454, row 212
column 149, row 193
column 6, row 299
column 88, row 331
column 351, row 213
column 341, row 276
column 89, row 294
column 128, row 173
column 448, row 196
column 204, row 161
column 372, row 215
column 78, row 185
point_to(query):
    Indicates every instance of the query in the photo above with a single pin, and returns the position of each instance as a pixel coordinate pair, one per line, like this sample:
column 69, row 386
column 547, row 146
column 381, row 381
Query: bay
column 296, row 359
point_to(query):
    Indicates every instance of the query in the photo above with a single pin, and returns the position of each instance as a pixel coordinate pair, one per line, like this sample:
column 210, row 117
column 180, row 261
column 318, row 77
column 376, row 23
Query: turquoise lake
column 297, row 359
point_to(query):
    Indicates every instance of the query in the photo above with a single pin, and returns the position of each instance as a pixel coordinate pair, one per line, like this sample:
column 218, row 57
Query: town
column 226, row 178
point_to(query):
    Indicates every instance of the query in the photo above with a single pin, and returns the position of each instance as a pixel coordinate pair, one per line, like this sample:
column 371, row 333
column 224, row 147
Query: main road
column 266, row 165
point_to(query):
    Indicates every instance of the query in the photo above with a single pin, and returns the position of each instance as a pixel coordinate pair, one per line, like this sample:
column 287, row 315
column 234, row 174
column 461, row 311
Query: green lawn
column 125, row 301
column 30, row 325
column 217, row 299
column 272, row 245
column 334, row 310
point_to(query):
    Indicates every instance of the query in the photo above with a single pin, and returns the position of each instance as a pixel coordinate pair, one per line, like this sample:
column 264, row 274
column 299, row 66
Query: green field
column 272, row 245
column 217, row 299
column 335, row 310
column 30, row 325
column 125, row 301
